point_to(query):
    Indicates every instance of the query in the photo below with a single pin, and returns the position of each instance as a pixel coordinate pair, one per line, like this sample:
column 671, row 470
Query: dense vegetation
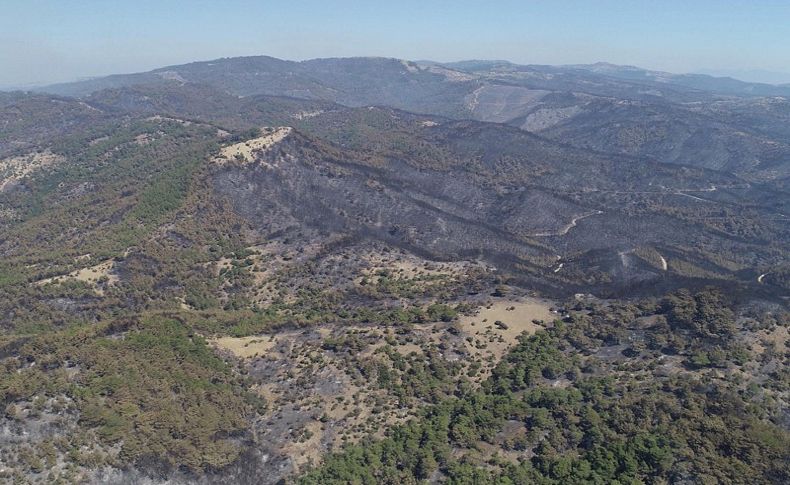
column 145, row 390
column 553, row 413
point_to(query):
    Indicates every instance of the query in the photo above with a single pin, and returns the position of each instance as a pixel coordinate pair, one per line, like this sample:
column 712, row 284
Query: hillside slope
column 202, row 287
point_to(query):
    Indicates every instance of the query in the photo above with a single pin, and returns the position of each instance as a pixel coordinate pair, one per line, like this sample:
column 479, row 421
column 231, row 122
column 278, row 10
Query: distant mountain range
column 750, row 75
column 717, row 84
column 700, row 120
column 726, row 85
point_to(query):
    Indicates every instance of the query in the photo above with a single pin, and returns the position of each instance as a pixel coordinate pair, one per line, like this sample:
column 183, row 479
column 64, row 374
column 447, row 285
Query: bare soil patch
column 14, row 169
column 245, row 151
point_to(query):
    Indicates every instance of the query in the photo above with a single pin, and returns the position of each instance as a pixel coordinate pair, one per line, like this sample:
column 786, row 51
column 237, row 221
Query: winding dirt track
column 568, row 226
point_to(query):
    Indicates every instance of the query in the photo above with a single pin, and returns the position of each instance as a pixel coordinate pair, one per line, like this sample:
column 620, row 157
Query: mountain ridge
column 729, row 84
column 600, row 106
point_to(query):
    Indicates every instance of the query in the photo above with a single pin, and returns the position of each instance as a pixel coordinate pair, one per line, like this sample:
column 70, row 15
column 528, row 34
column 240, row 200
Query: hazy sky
column 44, row 41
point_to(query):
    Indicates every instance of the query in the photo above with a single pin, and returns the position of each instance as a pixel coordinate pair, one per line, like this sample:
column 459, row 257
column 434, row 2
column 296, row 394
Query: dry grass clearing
column 245, row 347
column 496, row 328
column 15, row 168
column 168, row 118
column 303, row 115
column 245, row 151
column 100, row 273
column 518, row 316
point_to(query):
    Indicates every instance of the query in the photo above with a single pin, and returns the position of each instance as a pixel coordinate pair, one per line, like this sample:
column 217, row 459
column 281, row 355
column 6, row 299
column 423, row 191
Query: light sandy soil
column 309, row 451
column 303, row 115
column 167, row 118
column 16, row 168
column 517, row 315
column 95, row 272
column 491, row 340
column 245, row 347
column 244, row 152
column 143, row 139
column 183, row 304
column 90, row 275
